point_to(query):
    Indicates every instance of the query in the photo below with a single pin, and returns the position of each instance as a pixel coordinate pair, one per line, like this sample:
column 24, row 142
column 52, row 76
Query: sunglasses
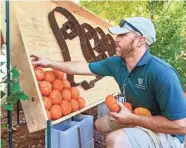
column 123, row 22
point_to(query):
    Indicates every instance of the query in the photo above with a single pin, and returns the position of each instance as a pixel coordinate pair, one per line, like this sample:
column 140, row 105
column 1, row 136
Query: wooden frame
column 30, row 33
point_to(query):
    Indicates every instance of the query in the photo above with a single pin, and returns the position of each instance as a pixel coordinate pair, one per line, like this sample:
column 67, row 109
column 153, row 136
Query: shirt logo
column 140, row 81
column 140, row 84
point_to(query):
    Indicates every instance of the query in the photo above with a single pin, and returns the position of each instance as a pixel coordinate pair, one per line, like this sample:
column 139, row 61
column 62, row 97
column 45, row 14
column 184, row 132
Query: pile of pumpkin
column 113, row 106
column 59, row 98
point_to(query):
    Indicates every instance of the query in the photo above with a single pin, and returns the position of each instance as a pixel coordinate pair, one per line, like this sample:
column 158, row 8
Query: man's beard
column 128, row 50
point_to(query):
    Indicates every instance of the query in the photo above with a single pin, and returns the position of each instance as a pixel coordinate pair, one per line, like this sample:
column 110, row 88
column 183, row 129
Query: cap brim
column 118, row 30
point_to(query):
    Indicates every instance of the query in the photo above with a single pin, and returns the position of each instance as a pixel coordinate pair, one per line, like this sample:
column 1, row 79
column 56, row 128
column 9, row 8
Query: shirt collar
column 145, row 58
column 143, row 61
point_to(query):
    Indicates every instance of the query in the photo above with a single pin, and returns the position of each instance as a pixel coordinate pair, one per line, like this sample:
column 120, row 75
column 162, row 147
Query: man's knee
column 102, row 126
column 118, row 139
column 99, row 126
column 112, row 139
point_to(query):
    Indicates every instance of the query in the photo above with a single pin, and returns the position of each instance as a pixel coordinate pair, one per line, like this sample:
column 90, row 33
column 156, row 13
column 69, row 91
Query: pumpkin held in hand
column 142, row 111
column 111, row 103
column 128, row 105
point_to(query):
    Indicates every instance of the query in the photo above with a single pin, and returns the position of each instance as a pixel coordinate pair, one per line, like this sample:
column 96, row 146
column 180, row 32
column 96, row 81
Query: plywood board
column 83, row 12
column 31, row 34
column 34, row 115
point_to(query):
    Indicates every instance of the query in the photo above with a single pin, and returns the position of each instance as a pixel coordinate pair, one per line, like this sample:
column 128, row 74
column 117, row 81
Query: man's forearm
column 160, row 124
column 73, row 68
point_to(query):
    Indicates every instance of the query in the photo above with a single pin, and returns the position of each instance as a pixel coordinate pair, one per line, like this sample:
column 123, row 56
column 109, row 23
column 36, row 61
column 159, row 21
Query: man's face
column 126, row 44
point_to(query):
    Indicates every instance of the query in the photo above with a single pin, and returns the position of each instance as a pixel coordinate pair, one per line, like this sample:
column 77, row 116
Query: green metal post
column 48, row 134
column 8, row 70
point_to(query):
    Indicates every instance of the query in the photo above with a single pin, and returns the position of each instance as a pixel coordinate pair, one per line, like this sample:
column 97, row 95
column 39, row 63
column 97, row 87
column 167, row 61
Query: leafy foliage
column 171, row 38
column 16, row 93
column 2, row 142
column 168, row 17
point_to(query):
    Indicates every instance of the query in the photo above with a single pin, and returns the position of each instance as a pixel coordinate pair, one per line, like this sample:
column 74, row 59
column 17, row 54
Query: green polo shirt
column 153, row 84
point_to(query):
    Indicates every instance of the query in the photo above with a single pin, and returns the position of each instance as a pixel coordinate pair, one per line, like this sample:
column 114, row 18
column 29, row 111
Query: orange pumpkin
column 110, row 99
column 56, row 112
column 66, row 84
column 47, row 102
column 128, row 105
column 142, row 111
column 74, row 105
column 55, row 97
column 66, row 94
column 57, row 85
column 65, row 107
column 111, row 103
column 48, row 114
column 114, row 108
column 81, row 102
column 39, row 73
column 74, row 92
column 58, row 74
column 45, row 88
column 49, row 76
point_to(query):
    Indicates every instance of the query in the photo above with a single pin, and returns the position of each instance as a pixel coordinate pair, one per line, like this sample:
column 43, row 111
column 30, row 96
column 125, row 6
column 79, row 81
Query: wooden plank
column 83, row 12
column 34, row 115
column 31, row 34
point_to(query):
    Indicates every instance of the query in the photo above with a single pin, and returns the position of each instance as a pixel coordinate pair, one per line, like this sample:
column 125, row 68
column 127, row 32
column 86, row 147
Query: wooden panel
column 34, row 115
column 31, row 34
column 83, row 12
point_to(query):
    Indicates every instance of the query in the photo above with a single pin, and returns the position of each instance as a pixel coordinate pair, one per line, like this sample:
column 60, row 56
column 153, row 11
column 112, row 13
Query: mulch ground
column 23, row 139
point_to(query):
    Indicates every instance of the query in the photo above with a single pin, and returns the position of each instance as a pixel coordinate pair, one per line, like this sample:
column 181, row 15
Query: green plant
column 2, row 141
column 168, row 17
column 171, row 36
column 8, row 102
column 16, row 92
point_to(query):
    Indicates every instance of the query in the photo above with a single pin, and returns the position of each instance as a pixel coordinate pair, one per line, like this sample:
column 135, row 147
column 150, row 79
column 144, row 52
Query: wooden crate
column 30, row 33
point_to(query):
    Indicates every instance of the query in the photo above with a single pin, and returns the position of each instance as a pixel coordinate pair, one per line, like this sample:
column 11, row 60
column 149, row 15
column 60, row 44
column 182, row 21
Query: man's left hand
column 124, row 116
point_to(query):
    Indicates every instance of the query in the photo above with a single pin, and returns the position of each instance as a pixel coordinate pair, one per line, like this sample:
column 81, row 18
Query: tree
column 168, row 17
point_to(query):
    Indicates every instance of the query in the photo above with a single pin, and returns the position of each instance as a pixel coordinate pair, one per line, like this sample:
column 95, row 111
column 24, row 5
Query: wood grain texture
column 33, row 110
column 31, row 34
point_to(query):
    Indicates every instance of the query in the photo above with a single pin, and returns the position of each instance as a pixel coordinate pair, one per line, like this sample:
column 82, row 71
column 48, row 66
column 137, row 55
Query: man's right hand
column 70, row 67
column 40, row 61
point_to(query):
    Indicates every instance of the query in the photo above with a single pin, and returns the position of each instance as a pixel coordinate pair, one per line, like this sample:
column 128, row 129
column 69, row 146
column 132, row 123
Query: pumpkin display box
column 60, row 31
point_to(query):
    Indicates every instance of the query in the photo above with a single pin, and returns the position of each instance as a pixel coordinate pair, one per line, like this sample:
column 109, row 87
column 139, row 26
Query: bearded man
column 144, row 80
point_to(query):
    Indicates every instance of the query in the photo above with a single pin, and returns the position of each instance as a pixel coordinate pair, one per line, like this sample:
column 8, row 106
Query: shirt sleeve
column 103, row 67
column 170, row 96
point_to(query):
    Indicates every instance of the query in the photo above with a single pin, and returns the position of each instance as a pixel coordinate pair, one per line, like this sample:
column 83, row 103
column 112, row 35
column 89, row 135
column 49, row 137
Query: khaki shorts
column 144, row 138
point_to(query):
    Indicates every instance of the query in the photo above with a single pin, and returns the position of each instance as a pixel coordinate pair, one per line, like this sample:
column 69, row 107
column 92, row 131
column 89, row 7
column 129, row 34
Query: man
column 145, row 81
